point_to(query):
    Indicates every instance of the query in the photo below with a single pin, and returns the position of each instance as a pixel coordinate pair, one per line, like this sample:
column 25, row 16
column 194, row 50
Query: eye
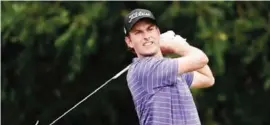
column 151, row 28
column 137, row 32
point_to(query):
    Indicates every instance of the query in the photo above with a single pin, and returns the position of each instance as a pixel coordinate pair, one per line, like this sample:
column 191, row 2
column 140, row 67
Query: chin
column 149, row 54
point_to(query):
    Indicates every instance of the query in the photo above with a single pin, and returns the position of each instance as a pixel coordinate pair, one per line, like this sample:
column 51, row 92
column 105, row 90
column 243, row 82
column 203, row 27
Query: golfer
column 160, row 86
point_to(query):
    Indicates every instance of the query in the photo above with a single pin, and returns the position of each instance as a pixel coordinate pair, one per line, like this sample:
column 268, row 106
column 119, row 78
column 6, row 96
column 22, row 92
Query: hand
column 169, row 41
column 165, row 41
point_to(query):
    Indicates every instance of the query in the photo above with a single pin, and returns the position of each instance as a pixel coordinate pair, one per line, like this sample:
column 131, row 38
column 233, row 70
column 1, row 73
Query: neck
column 158, row 54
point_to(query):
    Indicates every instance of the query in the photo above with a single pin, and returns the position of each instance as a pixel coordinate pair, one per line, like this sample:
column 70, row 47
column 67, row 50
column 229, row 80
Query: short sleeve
column 188, row 78
column 157, row 72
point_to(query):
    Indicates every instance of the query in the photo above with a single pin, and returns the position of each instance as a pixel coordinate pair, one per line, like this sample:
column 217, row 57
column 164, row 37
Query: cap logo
column 137, row 14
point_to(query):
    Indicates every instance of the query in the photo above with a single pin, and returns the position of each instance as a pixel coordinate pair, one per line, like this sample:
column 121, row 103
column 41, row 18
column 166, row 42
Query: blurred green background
column 56, row 53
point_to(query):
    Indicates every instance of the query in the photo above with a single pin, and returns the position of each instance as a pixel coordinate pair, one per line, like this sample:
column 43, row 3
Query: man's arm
column 192, row 60
column 203, row 78
column 195, row 60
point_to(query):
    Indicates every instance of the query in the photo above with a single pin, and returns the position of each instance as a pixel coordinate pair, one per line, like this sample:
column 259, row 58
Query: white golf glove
column 171, row 36
column 167, row 36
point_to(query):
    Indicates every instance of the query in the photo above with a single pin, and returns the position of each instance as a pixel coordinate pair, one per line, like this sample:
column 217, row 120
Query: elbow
column 211, row 81
column 203, row 59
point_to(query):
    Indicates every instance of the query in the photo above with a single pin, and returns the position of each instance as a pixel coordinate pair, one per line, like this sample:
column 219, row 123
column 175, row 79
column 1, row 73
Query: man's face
column 144, row 38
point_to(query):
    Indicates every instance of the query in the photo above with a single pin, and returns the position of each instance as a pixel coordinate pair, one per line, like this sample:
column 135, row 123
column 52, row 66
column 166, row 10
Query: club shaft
column 116, row 76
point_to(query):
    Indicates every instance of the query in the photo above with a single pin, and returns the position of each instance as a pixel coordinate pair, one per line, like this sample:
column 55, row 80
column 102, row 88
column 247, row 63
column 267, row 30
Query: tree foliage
column 55, row 53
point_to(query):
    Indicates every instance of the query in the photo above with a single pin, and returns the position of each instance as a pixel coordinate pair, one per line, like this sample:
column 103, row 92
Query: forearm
column 206, row 71
column 203, row 78
column 191, row 53
column 188, row 50
column 191, row 58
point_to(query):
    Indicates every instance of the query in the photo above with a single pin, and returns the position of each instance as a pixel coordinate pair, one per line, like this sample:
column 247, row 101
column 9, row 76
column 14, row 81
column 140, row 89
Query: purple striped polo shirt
column 161, row 96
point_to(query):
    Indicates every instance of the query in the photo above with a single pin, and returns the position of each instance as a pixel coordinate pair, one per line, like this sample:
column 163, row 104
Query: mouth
column 148, row 43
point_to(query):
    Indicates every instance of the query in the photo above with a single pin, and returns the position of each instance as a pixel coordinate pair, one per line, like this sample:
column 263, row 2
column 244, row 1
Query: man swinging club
column 160, row 86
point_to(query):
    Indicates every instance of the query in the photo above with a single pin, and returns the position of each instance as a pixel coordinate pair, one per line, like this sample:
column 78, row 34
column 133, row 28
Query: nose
column 146, row 36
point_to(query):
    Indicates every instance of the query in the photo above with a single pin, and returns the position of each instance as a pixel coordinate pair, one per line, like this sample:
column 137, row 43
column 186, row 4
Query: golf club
column 114, row 77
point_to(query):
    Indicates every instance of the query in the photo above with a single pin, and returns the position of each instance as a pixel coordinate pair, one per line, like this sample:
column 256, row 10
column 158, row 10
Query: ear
column 128, row 42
